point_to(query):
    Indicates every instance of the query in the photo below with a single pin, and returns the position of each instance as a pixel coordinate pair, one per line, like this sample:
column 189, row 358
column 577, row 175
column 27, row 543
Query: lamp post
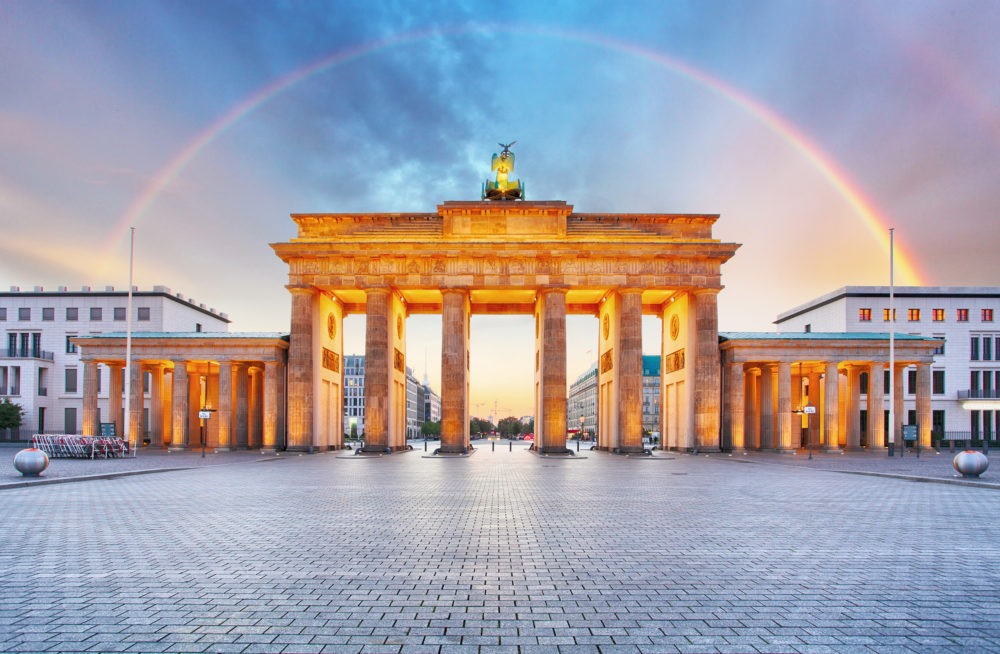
column 579, row 434
column 204, row 414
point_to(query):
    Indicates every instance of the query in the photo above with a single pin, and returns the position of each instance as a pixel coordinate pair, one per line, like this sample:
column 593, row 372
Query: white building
column 432, row 403
column 966, row 372
column 40, row 369
column 354, row 395
column 582, row 399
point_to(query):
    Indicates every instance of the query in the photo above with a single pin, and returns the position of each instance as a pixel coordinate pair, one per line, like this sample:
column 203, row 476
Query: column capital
column 549, row 290
column 455, row 290
column 705, row 291
column 302, row 290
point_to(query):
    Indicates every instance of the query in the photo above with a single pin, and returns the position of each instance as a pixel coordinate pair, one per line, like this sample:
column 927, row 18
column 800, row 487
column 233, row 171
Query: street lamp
column 579, row 434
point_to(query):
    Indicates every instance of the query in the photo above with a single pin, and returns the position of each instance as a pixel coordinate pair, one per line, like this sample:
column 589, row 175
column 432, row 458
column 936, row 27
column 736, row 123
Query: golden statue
column 503, row 188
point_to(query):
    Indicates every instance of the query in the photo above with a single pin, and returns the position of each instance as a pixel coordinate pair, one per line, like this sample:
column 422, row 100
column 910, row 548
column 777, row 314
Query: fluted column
column 136, row 429
column 735, row 405
column 156, row 405
column 241, row 413
column 897, row 405
column 179, row 408
column 454, row 370
column 876, row 407
column 815, row 420
column 115, row 398
column 377, row 380
column 224, row 436
column 853, row 408
column 91, row 416
column 767, row 439
column 706, row 370
column 256, row 384
column 924, row 415
column 301, row 346
column 831, row 409
column 167, row 412
column 553, row 373
column 752, row 401
column 784, row 443
column 270, row 406
column 630, row 375
column 194, row 404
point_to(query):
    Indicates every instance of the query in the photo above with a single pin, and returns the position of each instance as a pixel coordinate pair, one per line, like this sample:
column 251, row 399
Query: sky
column 810, row 127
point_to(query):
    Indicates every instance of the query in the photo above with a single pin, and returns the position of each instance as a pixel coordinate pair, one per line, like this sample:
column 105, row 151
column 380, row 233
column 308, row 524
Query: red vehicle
column 529, row 437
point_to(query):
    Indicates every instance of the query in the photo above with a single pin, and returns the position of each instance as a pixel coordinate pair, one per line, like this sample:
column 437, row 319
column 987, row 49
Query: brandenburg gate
column 502, row 255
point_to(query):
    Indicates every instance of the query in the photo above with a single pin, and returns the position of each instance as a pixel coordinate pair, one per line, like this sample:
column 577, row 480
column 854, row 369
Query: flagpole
column 133, row 445
column 892, row 349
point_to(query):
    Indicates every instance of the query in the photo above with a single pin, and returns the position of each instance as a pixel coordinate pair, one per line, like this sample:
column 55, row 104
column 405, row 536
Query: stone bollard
column 31, row 461
column 971, row 463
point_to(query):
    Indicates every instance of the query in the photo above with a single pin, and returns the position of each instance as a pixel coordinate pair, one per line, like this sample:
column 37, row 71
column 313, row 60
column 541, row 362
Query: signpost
column 808, row 410
column 909, row 434
column 204, row 414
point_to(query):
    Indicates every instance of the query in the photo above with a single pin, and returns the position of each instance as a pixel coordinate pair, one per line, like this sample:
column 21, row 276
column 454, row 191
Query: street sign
column 909, row 432
column 204, row 415
column 808, row 409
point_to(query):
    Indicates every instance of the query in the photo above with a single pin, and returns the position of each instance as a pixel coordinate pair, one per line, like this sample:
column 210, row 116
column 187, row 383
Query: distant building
column 422, row 402
column 432, row 403
column 965, row 375
column 582, row 400
column 414, row 405
column 354, row 395
column 40, row 368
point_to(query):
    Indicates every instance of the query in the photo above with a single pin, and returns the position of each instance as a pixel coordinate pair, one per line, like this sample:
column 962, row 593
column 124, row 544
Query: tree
column 431, row 428
column 354, row 431
column 528, row 427
column 509, row 426
column 480, row 426
column 11, row 415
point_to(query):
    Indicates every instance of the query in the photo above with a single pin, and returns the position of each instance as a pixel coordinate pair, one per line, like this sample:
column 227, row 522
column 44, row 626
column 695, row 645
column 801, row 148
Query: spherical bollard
column 971, row 463
column 31, row 462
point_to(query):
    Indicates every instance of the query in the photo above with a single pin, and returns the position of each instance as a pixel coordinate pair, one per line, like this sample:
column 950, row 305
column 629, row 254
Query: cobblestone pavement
column 502, row 551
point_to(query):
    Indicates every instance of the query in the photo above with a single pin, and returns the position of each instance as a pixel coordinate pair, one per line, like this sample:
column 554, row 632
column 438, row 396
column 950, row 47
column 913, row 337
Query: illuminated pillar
column 876, row 407
column 815, row 420
column 224, row 437
column 136, row 430
column 241, row 402
column 270, row 391
column 734, row 405
column 91, row 416
column 831, row 409
column 550, row 317
column 115, row 398
column 300, row 369
column 767, row 440
column 255, row 436
column 377, row 378
column 455, row 310
column 179, row 408
column 897, row 404
column 706, row 370
column 853, row 408
column 753, row 408
column 630, row 373
column 156, row 405
column 784, row 444
column 924, row 414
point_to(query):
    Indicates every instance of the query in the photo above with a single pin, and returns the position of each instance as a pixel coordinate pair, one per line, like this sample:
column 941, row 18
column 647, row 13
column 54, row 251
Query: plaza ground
column 502, row 551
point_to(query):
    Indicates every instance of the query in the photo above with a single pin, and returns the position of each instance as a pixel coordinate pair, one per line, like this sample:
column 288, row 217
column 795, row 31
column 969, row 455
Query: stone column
column 630, row 373
column 91, row 416
column 853, row 408
column 552, row 420
column 816, row 419
column 876, row 407
column 255, row 435
column 706, row 370
column 194, row 404
column 224, row 437
column 784, row 444
column 897, row 404
column 831, row 409
column 136, row 428
column 300, row 370
column 167, row 412
column 270, row 406
column 767, row 439
column 377, row 363
column 924, row 415
column 241, row 412
column 752, row 401
column 734, row 405
column 156, row 405
column 115, row 398
column 454, row 369
column 179, row 408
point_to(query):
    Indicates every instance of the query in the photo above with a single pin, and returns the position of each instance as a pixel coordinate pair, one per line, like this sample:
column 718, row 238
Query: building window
column 937, row 382
column 863, row 383
column 885, row 315
column 988, row 348
column 143, row 314
column 24, row 313
column 963, row 315
column 911, row 382
column 913, row 315
column 987, row 315
column 865, row 315
column 937, row 315
column 70, row 380
column 69, row 420
column 70, row 346
column 3, row 313
column 48, row 314
column 974, row 348
column 809, row 328
column 974, row 420
column 95, row 313
column 885, row 383
column 72, row 314
column 119, row 313
column 197, row 326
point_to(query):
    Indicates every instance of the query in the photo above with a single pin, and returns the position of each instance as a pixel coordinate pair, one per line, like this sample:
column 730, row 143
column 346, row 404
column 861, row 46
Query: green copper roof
column 818, row 336
column 191, row 335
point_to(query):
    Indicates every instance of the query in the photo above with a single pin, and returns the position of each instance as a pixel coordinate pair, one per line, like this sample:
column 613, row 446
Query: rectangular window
column 865, row 315
column 24, row 313
column 885, row 315
column 3, row 380
column 48, row 313
column 940, row 348
column 974, row 423
column 69, row 420
column 937, row 315
column 937, row 422
column 974, row 377
column 988, row 348
column 987, row 315
column 937, row 382
column 913, row 315
column 885, row 382
column 911, row 382
column 863, row 383
column 72, row 313
column 70, row 380
column 3, row 313
column 95, row 313
column 962, row 315
column 145, row 381
column 11, row 345
column 974, row 349
column 911, row 417
column 197, row 326
column 143, row 313
column 987, row 384
column 119, row 313
column 988, row 425
column 70, row 346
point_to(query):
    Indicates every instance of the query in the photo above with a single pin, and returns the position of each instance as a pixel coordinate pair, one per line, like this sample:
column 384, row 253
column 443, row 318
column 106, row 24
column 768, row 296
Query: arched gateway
column 486, row 257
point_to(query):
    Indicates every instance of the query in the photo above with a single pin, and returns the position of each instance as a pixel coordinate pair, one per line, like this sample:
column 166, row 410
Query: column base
column 269, row 451
column 555, row 450
column 832, row 450
column 177, row 448
column 220, row 450
column 784, row 451
column 306, row 449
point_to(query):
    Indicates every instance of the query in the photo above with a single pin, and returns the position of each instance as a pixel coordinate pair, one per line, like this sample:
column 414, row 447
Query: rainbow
column 873, row 220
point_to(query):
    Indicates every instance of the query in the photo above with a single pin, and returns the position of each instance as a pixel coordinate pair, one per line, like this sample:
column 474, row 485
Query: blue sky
column 99, row 97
